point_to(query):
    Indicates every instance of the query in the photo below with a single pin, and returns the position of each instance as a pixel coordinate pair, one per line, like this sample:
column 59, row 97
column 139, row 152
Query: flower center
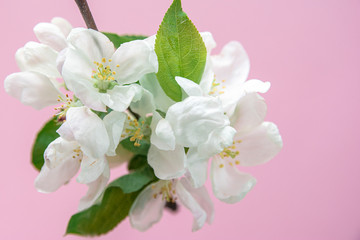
column 77, row 154
column 167, row 192
column 137, row 130
column 66, row 104
column 104, row 76
column 230, row 153
column 217, row 88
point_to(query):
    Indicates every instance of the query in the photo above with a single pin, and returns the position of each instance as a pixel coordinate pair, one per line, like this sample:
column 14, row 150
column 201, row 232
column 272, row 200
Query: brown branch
column 86, row 14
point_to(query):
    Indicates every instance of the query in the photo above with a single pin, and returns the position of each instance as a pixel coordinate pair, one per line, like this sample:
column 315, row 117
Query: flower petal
column 219, row 139
column 150, row 83
column 114, row 123
column 249, row 113
column 190, row 88
column 145, row 105
column 147, row 209
column 228, row 183
column 64, row 26
column 232, row 68
column 91, row 169
column 77, row 71
column 92, row 44
column 232, row 65
column 134, row 59
column 51, row 35
column 202, row 197
column 167, row 164
column 259, row 145
column 31, row 88
column 195, row 118
column 88, row 130
column 190, row 203
column 209, row 41
column 61, row 164
column 162, row 135
column 95, row 189
column 120, row 97
column 37, row 57
column 255, row 85
column 197, row 167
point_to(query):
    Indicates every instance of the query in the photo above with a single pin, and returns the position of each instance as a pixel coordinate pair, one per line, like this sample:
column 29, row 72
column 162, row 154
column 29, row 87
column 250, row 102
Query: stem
column 86, row 14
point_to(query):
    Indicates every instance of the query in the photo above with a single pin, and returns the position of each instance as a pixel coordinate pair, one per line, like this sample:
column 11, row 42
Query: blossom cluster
column 104, row 96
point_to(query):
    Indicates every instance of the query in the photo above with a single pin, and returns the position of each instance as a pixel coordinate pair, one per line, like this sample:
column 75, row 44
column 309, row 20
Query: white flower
column 84, row 142
column 191, row 123
column 255, row 142
column 37, row 84
column 148, row 206
column 231, row 69
column 63, row 159
column 99, row 76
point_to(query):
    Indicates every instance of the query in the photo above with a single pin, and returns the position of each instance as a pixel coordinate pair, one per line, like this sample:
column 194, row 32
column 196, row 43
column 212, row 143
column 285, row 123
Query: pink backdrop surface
column 309, row 50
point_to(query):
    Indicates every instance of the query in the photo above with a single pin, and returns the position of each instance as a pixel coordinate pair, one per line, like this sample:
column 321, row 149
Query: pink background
column 308, row 49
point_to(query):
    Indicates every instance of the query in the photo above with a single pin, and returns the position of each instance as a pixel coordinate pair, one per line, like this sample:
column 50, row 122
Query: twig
column 86, row 14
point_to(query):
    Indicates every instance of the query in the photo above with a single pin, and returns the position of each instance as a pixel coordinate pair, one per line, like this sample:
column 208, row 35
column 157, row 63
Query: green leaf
column 180, row 51
column 46, row 135
column 137, row 162
column 103, row 217
column 134, row 181
column 114, row 206
column 117, row 40
column 141, row 150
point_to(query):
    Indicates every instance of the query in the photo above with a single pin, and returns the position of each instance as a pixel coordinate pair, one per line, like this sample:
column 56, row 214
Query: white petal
column 162, row 135
column 190, row 203
column 61, row 164
column 231, row 66
column 207, row 78
column 114, row 123
column 37, row 57
column 32, row 89
column 208, row 75
column 66, row 132
column 92, row 44
column 167, row 164
column 95, row 189
column 259, row 145
column 229, row 184
column 88, row 130
column 195, row 118
column 255, row 85
column 209, row 41
column 219, row 139
column 150, row 83
column 197, row 167
column 51, row 35
column 190, row 88
column 120, row 97
column 77, row 72
column 151, row 41
column 60, row 60
column 91, row 169
column 202, row 197
column 249, row 113
column 147, row 210
column 145, row 105
column 135, row 59
column 64, row 26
